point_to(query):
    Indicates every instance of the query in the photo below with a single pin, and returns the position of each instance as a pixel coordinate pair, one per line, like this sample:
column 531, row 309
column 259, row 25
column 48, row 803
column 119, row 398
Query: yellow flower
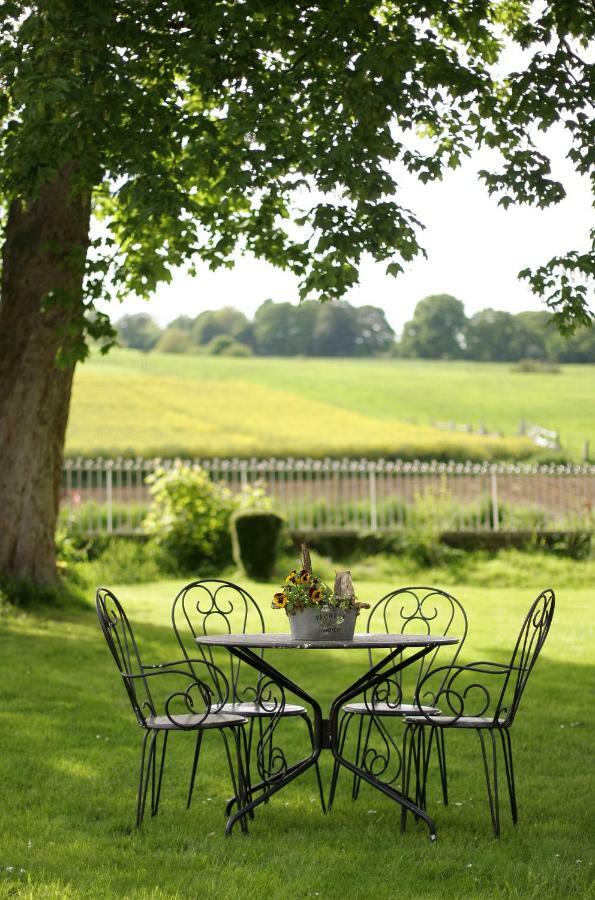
column 292, row 578
column 316, row 595
column 279, row 600
column 303, row 577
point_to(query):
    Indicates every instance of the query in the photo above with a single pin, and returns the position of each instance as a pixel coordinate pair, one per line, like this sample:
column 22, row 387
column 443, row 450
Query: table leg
column 287, row 774
column 371, row 679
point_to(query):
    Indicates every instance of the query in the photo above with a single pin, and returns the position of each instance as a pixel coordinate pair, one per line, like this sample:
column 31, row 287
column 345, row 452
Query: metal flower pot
column 323, row 623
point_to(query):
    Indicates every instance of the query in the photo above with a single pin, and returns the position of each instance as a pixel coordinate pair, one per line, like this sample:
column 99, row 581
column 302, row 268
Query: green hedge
column 255, row 539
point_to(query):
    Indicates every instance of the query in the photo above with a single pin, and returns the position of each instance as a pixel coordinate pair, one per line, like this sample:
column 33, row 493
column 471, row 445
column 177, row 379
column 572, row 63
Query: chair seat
column 191, row 721
column 262, row 710
column 384, row 709
column 451, row 722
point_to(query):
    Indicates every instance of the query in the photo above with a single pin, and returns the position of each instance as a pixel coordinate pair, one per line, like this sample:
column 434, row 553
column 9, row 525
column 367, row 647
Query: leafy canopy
column 283, row 127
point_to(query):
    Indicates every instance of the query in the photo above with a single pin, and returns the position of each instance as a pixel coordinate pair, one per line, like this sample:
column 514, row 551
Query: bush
column 127, row 560
column 225, row 345
column 255, row 540
column 189, row 518
column 536, row 365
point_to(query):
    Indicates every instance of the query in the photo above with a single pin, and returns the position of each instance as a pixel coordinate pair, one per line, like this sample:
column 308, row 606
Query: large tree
column 141, row 136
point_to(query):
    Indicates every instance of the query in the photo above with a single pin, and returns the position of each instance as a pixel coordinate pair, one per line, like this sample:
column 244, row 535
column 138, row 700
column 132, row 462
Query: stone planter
column 323, row 623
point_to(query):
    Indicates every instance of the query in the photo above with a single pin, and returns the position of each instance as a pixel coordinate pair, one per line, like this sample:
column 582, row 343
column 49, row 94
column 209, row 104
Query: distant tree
column 492, row 334
column 282, row 329
column 174, row 340
column 272, row 328
column 536, row 334
column 183, row 323
column 335, row 331
column 138, row 331
column 374, row 334
column 228, row 321
column 436, row 330
column 580, row 348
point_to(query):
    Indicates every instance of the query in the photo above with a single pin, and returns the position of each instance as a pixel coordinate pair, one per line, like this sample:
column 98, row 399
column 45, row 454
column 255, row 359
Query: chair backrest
column 215, row 606
column 419, row 610
column 531, row 639
column 120, row 640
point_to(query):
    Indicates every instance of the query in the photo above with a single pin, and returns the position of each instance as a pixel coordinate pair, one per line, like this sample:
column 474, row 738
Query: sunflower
column 279, row 600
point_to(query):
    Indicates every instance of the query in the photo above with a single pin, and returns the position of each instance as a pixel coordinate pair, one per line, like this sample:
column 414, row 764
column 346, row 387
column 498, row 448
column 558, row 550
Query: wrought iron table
column 248, row 648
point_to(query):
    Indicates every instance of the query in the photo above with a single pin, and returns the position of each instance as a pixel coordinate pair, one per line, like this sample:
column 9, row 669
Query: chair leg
column 360, row 754
column 424, row 752
column 316, row 766
column 441, row 752
column 197, row 747
column 243, row 783
column 141, row 780
column 156, row 792
column 409, row 756
column 507, row 751
column 236, row 783
column 149, row 775
column 491, row 778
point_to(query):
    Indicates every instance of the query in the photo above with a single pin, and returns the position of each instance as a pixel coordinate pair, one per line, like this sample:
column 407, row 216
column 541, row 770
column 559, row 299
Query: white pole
column 373, row 505
column 495, row 511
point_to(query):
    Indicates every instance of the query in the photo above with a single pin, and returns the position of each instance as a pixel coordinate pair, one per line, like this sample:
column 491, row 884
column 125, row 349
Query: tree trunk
column 41, row 311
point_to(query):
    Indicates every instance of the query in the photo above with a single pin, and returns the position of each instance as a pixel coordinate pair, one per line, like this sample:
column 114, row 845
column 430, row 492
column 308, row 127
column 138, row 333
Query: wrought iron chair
column 407, row 610
column 466, row 703
column 194, row 704
column 215, row 606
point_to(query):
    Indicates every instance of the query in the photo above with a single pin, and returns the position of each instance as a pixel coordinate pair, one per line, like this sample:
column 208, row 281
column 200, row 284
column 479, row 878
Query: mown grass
column 129, row 402
column 70, row 751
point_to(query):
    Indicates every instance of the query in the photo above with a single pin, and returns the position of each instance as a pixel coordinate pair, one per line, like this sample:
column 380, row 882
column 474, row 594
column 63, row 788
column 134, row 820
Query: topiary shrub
column 255, row 537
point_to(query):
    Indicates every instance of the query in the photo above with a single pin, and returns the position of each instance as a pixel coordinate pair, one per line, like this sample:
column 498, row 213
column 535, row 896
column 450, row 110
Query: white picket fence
column 111, row 495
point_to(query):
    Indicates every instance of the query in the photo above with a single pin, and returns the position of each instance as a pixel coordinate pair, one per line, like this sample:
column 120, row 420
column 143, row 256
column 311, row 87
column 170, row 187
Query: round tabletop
column 359, row 642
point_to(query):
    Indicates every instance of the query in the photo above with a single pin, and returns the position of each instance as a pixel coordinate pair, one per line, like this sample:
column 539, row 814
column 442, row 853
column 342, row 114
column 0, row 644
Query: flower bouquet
column 315, row 611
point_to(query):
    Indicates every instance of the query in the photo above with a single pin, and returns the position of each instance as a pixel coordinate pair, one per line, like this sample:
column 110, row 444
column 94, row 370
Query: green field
column 69, row 755
column 158, row 404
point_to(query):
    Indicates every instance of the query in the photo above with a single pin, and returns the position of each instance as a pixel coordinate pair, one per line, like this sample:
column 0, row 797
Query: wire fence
column 111, row 495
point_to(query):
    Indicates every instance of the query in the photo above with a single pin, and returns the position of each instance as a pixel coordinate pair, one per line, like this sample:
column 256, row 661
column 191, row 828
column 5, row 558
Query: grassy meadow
column 69, row 756
column 159, row 404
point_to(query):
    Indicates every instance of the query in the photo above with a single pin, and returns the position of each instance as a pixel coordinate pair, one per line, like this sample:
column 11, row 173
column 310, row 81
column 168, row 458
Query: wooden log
column 306, row 561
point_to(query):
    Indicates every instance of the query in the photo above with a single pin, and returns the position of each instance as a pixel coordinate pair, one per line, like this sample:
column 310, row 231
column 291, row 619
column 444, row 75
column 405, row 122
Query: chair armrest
column 448, row 687
column 193, row 696
column 216, row 679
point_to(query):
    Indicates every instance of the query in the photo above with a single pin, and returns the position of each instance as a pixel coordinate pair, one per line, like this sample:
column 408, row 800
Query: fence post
column 373, row 505
column 108, row 497
column 495, row 511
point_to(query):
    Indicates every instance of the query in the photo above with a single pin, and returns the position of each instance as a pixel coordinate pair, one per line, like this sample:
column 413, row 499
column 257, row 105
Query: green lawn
column 69, row 753
column 160, row 404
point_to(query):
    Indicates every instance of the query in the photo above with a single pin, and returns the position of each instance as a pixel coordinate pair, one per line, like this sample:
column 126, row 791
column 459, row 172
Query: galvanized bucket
column 324, row 623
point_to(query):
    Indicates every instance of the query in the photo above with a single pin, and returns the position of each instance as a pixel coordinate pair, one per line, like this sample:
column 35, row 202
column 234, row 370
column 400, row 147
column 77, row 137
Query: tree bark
column 41, row 307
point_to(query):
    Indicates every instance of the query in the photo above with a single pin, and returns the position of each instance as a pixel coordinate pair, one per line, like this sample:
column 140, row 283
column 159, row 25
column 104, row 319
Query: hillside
column 132, row 403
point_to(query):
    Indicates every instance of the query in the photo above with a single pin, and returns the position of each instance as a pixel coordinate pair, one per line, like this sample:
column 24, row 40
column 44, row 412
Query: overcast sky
column 475, row 250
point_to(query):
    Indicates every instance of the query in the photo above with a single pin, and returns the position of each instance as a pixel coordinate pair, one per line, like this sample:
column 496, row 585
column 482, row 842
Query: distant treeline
column 439, row 329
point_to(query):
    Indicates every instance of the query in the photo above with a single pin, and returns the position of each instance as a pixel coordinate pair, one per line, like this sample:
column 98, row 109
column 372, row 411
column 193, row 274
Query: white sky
column 475, row 250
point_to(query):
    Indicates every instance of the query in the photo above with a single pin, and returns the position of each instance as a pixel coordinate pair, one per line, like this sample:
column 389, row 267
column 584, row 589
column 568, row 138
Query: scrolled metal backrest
column 214, row 606
column 122, row 644
column 418, row 610
column 531, row 639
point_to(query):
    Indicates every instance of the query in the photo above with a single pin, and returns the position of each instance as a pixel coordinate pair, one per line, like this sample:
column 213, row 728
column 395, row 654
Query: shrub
column 127, row 560
column 189, row 517
column 225, row 345
column 255, row 540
